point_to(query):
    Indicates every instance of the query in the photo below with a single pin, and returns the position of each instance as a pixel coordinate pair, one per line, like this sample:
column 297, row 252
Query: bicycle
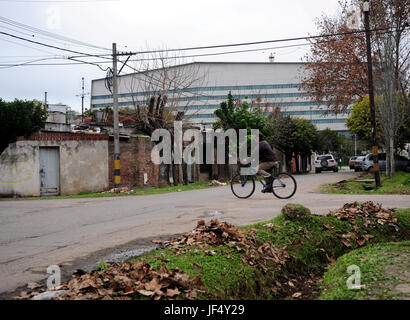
column 243, row 186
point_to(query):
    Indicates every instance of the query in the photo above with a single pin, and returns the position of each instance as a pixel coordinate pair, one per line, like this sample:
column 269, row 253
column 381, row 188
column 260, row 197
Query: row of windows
column 245, row 96
column 271, row 104
column 314, row 121
column 218, row 97
column 196, row 89
column 315, row 112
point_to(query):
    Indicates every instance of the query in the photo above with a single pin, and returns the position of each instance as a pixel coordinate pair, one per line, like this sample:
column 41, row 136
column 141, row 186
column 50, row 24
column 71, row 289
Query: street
column 37, row 233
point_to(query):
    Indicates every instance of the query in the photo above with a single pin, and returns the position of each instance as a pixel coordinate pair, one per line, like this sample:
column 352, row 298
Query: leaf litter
column 128, row 281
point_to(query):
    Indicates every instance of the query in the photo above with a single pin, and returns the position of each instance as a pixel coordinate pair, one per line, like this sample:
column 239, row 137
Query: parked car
column 357, row 163
column 325, row 162
column 351, row 165
column 401, row 163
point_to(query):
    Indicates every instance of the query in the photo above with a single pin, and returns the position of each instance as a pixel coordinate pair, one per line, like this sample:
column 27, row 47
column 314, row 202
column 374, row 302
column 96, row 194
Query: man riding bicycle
column 267, row 160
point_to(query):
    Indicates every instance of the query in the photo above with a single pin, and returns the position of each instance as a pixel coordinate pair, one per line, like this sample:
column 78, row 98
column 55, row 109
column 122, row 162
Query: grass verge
column 384, row 273
column 400, row 184
column 313, row 244
column 137, row 192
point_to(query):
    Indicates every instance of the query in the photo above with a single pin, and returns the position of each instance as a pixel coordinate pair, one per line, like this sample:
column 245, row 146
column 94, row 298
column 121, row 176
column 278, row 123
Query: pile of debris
column 120, row 190
column 371, row 215
column 217, row 183
column 211, row 233
column 129, row 281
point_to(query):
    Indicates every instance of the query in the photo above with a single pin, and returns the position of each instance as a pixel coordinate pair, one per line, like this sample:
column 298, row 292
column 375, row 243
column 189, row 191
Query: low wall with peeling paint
column 83, row 165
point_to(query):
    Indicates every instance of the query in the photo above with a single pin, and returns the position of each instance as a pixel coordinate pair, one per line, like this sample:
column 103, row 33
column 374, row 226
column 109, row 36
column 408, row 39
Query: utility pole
column 82, row 100
column 82, row 95
column 366, row 9
column 117, row 176
column 355, row 145
column 45, row 100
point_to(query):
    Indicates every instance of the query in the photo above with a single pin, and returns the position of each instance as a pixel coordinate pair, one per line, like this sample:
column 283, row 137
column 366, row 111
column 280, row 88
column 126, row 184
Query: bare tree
column 168, row 85
column 392, row 107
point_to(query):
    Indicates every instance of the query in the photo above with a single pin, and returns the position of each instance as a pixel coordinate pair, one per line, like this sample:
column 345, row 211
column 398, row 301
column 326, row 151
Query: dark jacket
column 266, row 153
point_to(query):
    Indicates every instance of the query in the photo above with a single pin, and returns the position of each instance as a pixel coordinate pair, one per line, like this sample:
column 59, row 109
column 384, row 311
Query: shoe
column 267, row 189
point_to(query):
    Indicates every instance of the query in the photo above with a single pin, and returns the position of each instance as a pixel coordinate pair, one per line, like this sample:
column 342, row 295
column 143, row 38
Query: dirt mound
column 296, row 212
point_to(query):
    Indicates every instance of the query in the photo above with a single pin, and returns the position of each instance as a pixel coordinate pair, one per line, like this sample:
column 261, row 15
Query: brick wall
column 145, row 165
column 127, row 161
column 135, row 161
column 61, row 136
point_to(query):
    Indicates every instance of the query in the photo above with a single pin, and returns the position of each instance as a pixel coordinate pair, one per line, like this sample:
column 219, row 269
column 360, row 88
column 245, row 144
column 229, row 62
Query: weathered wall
column 19, row 170
column 83, row 164
column 135, row 162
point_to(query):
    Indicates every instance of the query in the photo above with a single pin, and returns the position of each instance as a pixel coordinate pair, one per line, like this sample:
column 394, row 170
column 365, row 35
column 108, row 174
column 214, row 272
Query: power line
column 32, row 35
column 60, row 1
column 151, row 59
column 306, row 38
column 74, row 58
column 48, row 34
column 51, row 46
column 24, row 63
column 20, row 44
column 91, row 63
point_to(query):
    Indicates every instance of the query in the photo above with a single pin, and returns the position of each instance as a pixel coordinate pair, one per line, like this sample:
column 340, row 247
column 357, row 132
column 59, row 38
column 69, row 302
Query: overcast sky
column 136, row 25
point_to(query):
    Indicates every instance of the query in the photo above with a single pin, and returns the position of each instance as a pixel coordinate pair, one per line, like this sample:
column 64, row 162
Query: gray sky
column 138, row 25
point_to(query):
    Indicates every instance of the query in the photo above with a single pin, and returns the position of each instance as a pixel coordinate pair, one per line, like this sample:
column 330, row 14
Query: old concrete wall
column 83, row 165
column 19, row 170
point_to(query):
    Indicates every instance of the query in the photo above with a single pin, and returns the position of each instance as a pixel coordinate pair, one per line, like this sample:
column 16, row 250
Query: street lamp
column 366, row 9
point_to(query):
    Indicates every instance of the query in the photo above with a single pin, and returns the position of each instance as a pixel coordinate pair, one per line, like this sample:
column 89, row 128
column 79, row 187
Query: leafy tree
column 20, row 118
column 359, row 122
column 328, row 141
column 239, row 116
column 292, row 136
column 336, row 68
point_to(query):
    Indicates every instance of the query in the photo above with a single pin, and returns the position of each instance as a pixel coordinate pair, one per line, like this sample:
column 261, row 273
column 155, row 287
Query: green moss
column 295, row 211
column 381, row 267
column 223, row 273
column 314, row 242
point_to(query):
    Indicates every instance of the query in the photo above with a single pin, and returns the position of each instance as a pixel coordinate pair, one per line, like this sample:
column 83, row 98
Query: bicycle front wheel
column 284, row 185
column 243, row 186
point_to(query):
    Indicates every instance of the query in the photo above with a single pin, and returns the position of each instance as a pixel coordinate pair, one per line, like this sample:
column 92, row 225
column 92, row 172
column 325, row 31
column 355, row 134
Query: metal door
column 49, row 171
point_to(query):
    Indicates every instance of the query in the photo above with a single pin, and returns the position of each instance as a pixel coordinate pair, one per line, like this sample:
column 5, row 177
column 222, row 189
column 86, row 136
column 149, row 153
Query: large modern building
column 198, row 88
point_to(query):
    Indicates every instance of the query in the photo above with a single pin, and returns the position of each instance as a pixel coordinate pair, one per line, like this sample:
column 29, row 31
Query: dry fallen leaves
column 371, row 215
column 128, row 281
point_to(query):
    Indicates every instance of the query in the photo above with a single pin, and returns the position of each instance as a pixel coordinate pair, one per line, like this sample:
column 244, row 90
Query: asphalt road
column 37, row 233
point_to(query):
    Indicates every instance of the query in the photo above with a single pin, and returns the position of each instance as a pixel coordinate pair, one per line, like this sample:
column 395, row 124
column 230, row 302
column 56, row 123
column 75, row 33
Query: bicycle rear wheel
column 242, row 186
column 284, row 185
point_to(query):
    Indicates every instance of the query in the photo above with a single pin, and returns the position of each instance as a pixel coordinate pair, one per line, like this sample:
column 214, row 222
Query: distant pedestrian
column 340, row 163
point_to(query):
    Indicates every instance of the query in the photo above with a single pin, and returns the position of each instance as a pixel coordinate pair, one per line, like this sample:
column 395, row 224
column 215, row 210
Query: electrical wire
column 74, row 58
column 48, row 34
column 51, row 46
column 24, row 63
column 20, row 44
column 306, row 38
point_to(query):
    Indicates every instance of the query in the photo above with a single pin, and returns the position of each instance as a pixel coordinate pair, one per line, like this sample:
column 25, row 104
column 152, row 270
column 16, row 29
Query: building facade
column 54, row 163
column 198, row 88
